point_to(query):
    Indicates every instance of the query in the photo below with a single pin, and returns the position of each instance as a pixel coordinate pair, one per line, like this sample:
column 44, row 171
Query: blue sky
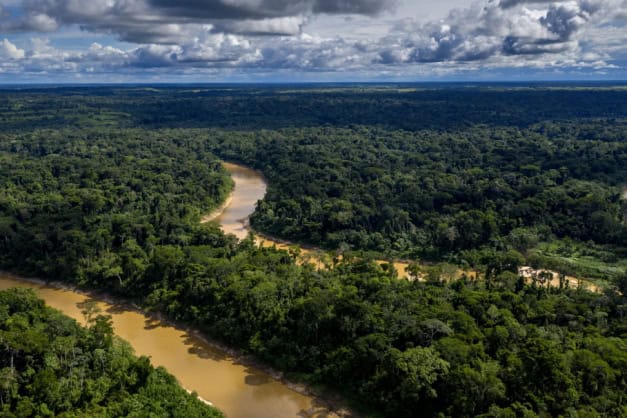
column 108, row 41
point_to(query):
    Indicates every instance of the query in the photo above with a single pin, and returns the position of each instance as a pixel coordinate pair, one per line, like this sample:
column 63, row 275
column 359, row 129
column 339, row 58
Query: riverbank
column 244, row 385
column 217, row 212
column 250, row 186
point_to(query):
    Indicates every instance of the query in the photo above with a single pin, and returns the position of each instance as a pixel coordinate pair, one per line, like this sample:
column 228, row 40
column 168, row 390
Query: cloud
column 10, row 51
column 528, row 46
column 488, row 30
column 511, row 3
column 366, row 7
column 257, row 36
column 565, row 19
column 259, row 9
column 152, row 20
column 291, row 25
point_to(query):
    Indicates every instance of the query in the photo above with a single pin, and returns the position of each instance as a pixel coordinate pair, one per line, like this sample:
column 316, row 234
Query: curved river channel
column 250, row 186
column 238, row 390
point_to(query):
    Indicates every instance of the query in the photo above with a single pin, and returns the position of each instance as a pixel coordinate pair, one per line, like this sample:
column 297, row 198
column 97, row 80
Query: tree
column 8, row 384
column 416, row 372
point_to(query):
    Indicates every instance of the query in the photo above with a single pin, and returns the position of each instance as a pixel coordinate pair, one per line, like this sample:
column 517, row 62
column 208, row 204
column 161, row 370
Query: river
column 250, row 187
column 238, row 390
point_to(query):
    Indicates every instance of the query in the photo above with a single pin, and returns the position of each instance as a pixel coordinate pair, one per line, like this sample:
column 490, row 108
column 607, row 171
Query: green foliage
column 397, row 346
column 91, row 207
column 430, row 194
column 473, row 176
column 581, row 259
column 51, row 366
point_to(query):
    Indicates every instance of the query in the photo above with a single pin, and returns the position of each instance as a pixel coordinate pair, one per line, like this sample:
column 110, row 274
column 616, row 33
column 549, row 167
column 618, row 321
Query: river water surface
column 250, row 187
column 239, row 391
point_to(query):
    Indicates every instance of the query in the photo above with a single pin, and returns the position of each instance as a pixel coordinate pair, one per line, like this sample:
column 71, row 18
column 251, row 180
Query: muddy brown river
column 238, row 390
column 250, row 187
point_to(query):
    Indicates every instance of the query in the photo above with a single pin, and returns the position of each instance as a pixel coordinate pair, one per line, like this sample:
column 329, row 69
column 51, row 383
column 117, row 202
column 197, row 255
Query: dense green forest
column 51, row 366
column 431, row 172
column 86, row 204
column 407, row 107
column 428, row 194
column 98, row 189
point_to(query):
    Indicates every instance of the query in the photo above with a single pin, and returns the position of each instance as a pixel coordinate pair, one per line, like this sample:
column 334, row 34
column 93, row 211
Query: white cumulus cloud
column 10, row 51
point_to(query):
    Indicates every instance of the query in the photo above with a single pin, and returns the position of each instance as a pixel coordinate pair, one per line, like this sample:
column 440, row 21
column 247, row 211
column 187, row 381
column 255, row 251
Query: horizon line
column 292, row 83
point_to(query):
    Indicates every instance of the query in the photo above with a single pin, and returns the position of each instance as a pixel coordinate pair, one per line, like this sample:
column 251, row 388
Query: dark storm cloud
column 163, row 21
column 513, row 45
column 365, row 7
column 259, row 9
